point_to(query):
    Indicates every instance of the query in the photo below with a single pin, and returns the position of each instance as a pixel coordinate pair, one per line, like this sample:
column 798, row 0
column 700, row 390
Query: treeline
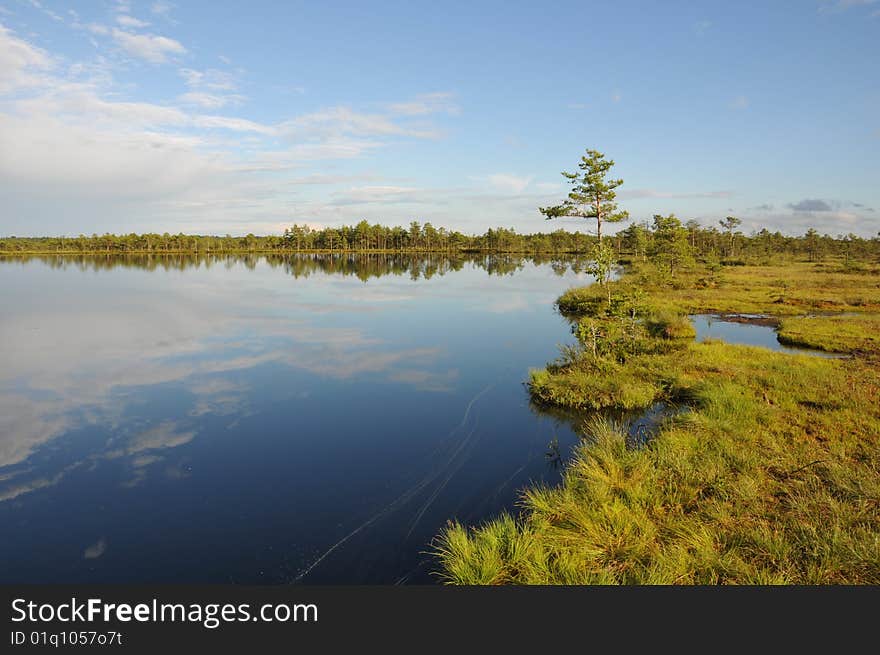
column 362, row 237
column 731, row 246
column 427, row 238
column 724, row 242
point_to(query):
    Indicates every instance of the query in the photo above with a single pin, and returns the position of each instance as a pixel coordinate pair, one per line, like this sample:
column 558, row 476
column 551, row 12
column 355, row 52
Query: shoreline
column 745, row 487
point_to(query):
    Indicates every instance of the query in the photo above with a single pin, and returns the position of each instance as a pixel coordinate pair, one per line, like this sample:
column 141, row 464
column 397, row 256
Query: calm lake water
column 255, row 420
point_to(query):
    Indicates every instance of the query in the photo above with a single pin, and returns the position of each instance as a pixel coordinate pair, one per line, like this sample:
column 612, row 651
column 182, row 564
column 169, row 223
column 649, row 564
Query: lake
column 271, row 419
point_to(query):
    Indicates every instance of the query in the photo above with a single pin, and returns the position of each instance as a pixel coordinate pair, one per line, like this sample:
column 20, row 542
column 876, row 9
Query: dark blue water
column 265, row 420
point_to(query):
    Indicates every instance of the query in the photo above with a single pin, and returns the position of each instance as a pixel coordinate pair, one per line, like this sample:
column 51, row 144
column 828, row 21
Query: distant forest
column 723, row 242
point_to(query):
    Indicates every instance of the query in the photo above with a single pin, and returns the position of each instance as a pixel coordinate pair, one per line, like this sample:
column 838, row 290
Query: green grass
column 797, row 288
column 668, row 325
column 832, row 333
column 771, row 477
column 584, row 387
column 583, row 301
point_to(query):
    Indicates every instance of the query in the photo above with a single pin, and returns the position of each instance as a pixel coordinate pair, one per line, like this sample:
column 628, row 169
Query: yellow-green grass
column 667, row 325
column 795, row 288
column 849, row 333
column 772, row 477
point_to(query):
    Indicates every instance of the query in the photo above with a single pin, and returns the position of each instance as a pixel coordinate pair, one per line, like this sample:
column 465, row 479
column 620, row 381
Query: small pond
column 747, row 330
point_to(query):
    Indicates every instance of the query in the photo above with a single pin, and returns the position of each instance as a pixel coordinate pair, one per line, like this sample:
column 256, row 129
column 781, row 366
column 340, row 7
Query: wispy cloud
column 161, row 8
column 149, row 47
column 181, row 160
column 210, row 100
column 210, row 89
column 130, row 21
column 339, row 121
column 211, row 78
column 427, row 103
column 234, row 124
column 377, row 194
column 36, row 4
column 515, row 184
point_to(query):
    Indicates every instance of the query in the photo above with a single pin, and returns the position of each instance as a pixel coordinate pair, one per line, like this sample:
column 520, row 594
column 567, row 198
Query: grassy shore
column 770, row 475
column 792, row 289
column 851, row 333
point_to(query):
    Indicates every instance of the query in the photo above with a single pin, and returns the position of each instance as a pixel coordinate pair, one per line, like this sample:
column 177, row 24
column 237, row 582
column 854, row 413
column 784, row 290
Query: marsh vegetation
column 771, row 473
column 770, row 477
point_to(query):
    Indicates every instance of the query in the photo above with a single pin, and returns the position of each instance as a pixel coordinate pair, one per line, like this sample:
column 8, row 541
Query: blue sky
column 210, row 117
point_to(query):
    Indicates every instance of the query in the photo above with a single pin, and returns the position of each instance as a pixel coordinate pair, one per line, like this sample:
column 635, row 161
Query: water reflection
column 265, row 418
column 364, row 266
column 748, row 330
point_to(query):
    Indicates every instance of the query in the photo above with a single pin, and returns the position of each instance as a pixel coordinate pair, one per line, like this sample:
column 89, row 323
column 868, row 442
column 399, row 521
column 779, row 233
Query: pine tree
column 591, row 195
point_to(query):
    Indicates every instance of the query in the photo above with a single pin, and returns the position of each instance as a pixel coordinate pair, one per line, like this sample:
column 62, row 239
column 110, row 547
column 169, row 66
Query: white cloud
column 210, row 88
column 334, row 148
column 338, row 121
column 210, row 100
column 149, row 47
column 161, row 8
column 82, row 152
column 515, row 184
column 51, row 14
column 549, row 187
column 427, row 103
column 130, row 21
column 740, row 102
column 377, row 194
column 79, row 103
column 230, row 123
column 21, row 64
column 82, row 161
column 211, row 79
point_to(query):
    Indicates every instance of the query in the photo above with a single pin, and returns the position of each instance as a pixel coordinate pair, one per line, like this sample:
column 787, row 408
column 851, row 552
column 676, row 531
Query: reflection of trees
column 364, row 266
